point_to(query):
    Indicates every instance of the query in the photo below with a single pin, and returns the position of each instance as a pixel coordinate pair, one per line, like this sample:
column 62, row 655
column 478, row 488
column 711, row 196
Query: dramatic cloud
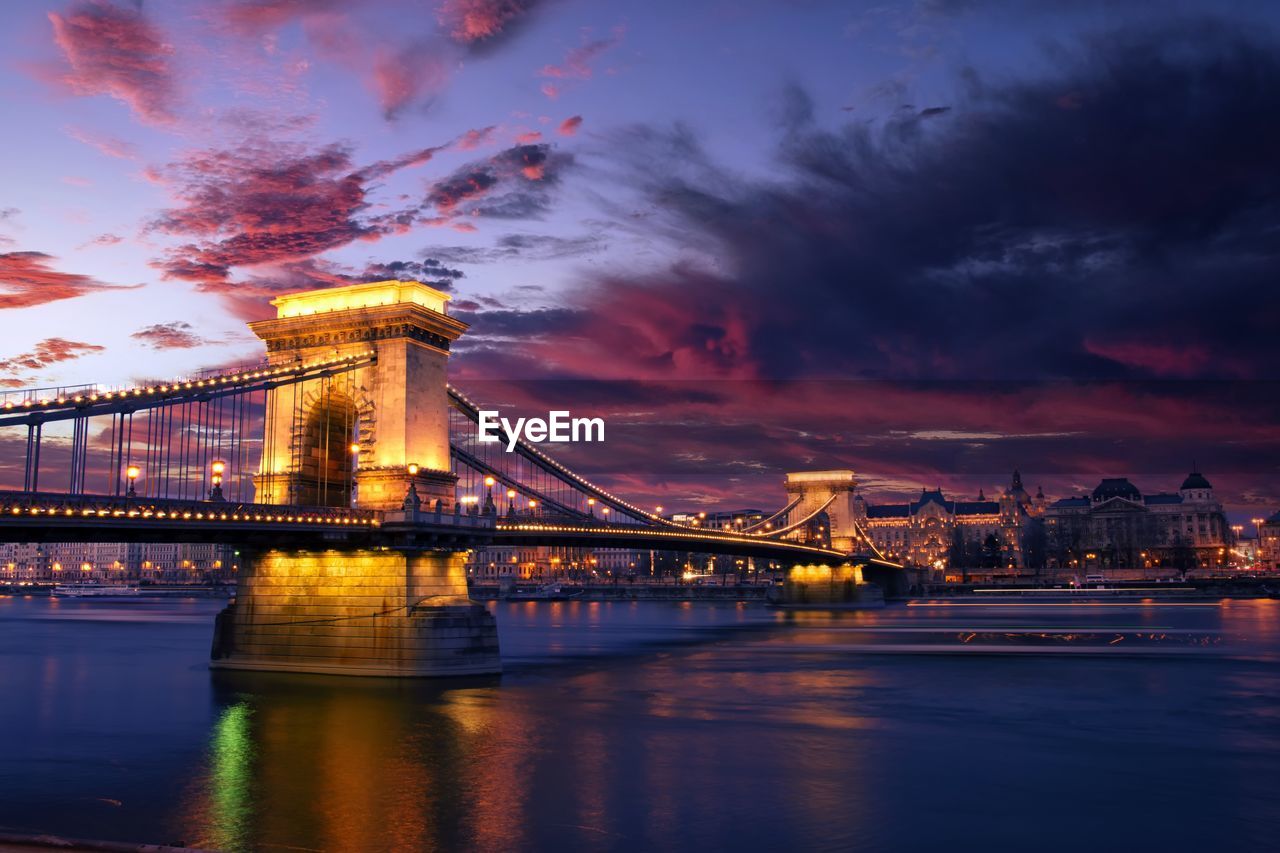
column 429, row 271
column 114, row 50
column 1011, row 238
column 267, row 203
column 175, row 335
column 47, row 352
column 248, row 297
column 1021, row 236
column 475, row 22
column 26, row 279
column 253, row 206
column 512, row 184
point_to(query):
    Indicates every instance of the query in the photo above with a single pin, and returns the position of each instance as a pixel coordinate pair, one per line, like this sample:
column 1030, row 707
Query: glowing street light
column 132, row 473
column 218, row 468
column 412, row 503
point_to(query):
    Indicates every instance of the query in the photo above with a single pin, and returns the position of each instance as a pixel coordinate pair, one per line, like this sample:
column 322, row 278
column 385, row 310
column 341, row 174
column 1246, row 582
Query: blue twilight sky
column 964, row 191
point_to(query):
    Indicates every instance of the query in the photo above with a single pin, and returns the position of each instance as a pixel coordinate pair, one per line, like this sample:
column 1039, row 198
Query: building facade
column 107, row 561
column 1269, row 543
column 939, row 533
column 1117, row 527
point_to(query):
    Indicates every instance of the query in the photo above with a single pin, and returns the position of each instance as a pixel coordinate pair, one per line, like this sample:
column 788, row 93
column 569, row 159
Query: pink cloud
column 108, row 145
column 578, row 62
column 47, row 352
column 175, row 335
column 473, row 139
column 474, row 21
column 403, row 78
column 269, row 204
column 26, row 280
column 115, row 51
column 570, row 126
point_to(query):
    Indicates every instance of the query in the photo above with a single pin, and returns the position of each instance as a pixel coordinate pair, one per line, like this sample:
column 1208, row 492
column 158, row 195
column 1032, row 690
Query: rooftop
column 354, row 296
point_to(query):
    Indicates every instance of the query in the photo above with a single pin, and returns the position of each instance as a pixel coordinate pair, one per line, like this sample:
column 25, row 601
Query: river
column 1007, row 726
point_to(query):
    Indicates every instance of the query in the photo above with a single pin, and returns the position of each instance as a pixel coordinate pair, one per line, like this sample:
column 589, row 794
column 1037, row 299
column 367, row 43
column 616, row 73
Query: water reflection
column 638, row 726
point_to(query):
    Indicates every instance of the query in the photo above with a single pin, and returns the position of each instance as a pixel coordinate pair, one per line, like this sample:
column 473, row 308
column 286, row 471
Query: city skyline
column 921, row 241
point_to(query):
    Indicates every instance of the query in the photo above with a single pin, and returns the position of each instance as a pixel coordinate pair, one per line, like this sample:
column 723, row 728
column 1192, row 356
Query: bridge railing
column 15, row 505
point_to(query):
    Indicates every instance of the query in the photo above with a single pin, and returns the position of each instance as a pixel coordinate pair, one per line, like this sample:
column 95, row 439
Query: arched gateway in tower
column 361, row 437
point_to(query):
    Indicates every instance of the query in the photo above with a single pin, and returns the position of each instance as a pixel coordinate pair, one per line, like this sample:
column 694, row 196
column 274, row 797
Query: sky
column 931, row 241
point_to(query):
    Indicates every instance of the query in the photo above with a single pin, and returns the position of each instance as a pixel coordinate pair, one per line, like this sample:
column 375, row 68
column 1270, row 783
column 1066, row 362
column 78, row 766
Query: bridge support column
column 377, row 612
column 827, row 586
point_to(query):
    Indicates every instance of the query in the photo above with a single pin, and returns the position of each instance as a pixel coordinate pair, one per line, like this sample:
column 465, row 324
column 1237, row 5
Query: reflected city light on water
column 230, row 797
column 648, row 726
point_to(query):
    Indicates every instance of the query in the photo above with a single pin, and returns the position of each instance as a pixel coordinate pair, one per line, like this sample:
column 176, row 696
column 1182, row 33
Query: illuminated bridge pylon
column 349, row 474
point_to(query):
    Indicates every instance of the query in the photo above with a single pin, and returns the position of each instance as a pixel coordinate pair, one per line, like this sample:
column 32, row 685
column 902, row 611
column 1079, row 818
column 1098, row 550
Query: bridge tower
column 815, row 489
column 373, row 437
column 395, row 410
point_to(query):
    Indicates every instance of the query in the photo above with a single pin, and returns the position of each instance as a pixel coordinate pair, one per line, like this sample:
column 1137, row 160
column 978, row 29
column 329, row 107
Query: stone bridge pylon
column 360, row 437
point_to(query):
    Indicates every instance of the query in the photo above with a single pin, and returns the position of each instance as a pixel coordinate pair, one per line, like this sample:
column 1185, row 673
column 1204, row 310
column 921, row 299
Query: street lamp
column 218, row 468
column 412, row 503
column 489, row 507
column 132, row 473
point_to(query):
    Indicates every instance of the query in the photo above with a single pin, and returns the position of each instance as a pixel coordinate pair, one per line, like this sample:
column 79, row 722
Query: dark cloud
column 519, row 324
column 429, row 271
column 113, row 50
column 175, row 335
column 26, row 279
column 48, row 352
column 512, row 184
column 1016, row 238
column 1072, row 241
column 249, row 297
column 525, row 247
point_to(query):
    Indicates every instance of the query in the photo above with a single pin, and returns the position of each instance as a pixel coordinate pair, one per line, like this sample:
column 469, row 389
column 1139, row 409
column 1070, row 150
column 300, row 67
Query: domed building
column 1117, row 527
